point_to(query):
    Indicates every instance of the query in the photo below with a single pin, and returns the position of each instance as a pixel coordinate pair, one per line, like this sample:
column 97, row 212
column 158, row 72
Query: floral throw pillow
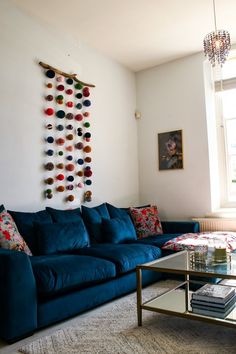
column 9, row 234
column 146, row 221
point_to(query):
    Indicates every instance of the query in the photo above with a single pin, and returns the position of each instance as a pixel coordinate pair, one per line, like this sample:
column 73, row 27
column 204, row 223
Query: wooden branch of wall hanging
column 72, row 76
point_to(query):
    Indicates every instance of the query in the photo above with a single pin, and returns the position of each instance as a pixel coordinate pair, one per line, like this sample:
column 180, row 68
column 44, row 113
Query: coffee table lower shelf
column 173, row 302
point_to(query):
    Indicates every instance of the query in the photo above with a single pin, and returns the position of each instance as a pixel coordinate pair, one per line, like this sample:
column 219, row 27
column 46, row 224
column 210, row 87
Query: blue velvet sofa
column 74, row 267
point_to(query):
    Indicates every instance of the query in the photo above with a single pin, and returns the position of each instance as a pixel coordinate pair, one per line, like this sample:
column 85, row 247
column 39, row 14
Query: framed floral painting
column 170, row 150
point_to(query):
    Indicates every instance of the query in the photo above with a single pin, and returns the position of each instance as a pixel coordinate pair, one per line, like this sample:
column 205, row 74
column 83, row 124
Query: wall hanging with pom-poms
column 67, row 149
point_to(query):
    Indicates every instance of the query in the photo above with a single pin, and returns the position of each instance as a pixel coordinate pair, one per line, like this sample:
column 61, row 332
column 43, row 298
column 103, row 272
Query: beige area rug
column 115, row 331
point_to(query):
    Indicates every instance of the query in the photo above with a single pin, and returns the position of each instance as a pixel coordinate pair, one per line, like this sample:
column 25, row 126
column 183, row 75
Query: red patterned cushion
column 191, row 240
column 146, row 221
column 9, row 234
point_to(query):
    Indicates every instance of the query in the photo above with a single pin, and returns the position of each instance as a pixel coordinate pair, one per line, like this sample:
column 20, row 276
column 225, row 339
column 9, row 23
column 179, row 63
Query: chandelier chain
column 214, row 7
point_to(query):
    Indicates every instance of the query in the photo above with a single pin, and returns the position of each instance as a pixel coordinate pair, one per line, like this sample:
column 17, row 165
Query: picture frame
column 170, row 150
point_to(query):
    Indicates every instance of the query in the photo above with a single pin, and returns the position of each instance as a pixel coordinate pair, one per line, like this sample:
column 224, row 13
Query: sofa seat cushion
column 59, row 273
column 155, row 240
column 124, row 256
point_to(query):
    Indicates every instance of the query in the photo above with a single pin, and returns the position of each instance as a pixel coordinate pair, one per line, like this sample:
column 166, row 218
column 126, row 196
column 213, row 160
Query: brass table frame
column 187, row 313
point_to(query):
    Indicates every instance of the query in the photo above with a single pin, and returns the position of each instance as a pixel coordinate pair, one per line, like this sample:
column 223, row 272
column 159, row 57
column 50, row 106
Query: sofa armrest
column 18, row 298
column 177, row 227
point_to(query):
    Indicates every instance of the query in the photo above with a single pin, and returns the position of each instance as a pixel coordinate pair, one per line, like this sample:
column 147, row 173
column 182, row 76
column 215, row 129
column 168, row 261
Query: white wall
column 171, row 97
column 24, row 42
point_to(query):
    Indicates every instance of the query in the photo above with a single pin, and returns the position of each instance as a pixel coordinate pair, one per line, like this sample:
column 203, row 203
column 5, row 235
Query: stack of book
column 213, row 300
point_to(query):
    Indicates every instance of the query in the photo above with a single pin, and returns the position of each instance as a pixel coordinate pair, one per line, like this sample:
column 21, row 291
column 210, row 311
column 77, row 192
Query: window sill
column 225, row 213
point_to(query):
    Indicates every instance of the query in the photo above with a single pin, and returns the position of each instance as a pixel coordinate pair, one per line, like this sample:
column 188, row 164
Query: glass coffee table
column 176, row 301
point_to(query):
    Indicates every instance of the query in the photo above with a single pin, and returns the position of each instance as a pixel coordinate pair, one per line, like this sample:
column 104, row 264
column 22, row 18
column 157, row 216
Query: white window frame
column 220, row 206
column 226, row 200
column 221, row 152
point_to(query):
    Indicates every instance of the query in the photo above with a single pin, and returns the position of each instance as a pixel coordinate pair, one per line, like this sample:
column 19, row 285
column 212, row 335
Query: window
column 225, row 100
column 229, row 118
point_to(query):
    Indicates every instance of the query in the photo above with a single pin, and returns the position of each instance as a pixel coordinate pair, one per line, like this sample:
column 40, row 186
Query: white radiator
column 216, row 224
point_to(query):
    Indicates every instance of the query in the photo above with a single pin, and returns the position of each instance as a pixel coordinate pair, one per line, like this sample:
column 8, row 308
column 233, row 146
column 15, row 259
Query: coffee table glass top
column 182, row 263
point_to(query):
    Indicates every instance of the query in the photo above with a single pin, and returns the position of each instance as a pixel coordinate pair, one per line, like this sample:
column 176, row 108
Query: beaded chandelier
column 217, row 44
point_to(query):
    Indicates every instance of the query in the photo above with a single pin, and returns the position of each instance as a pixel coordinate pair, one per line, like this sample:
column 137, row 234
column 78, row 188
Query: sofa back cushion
column 116, row 212
column 61, row 237
column 10, row 237
column 25, row 224
column 118, row 230
column 93, row 218
column 70, row 215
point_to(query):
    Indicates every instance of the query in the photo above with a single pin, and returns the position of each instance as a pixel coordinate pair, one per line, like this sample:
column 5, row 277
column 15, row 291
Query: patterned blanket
column 191, row 240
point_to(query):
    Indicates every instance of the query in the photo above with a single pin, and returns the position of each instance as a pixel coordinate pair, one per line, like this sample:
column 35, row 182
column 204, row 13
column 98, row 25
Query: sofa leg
column 17, row 339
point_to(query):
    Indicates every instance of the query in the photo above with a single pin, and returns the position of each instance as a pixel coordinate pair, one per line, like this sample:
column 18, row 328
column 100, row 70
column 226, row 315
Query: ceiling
column 137, row 33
